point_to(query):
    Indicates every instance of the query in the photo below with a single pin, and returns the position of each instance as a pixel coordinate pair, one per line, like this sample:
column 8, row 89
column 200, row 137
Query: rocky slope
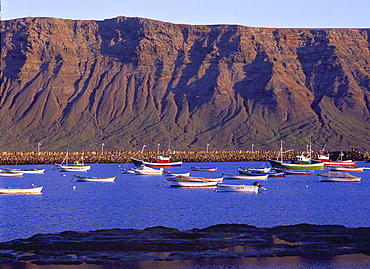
column 126, row 82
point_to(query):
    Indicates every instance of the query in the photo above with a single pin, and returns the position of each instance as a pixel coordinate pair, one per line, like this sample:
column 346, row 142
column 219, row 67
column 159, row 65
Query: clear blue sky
column 257, row 13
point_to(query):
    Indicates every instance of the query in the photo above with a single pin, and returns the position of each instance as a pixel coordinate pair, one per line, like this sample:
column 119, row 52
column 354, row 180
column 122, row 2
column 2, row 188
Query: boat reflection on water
column 353, row 261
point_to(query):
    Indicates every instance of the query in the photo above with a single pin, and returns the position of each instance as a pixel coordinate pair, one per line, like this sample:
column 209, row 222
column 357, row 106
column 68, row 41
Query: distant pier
column 17, row 158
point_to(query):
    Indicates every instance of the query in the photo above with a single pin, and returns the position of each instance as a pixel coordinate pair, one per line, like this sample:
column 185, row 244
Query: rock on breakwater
column 17, row 158
column 124, row 246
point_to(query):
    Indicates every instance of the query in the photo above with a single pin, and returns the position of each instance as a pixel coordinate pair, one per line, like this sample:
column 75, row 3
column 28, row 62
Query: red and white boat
column 161, row 162
column 325, row 159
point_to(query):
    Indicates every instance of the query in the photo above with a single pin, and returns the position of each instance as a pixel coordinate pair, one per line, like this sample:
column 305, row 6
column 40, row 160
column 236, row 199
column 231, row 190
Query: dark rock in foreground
column 122, row 246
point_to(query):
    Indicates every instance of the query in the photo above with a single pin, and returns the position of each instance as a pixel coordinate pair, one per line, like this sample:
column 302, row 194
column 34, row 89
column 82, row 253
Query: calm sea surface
column 135, row 201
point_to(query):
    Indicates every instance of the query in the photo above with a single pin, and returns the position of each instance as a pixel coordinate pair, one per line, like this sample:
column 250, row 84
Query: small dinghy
column 256, row 187
column 94, row 179
column 338, row 177
column 27, row 190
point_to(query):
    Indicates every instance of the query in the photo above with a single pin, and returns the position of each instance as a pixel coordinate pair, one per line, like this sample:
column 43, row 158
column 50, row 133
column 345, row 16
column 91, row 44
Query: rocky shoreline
column 122, row 247
column 18, row 158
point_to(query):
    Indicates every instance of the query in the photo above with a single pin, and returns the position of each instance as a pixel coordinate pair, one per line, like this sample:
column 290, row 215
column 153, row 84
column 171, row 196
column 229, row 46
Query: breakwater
column 18, row 158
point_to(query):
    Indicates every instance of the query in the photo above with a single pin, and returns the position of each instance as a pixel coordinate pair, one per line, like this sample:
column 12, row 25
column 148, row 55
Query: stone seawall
column 9, row 158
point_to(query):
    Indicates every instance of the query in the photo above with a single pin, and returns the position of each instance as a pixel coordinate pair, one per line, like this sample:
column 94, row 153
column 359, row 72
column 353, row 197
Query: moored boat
column 196, row 168
column 222, row 187
column 348, row 169
column 73, row 168
column 308, row 166
column 94, row 179
column 26, row 190
column 145, row 170
column 338, row 177
column 25, row 171
column 245, row 176
column 299, row 172
column 10, row 174
column 184, row 181
column 340, row 163
column 264, row 170
column 138, row 162
column 169, row 173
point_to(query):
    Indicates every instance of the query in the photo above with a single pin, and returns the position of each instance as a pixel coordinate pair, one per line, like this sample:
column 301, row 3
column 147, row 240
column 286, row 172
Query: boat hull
column 138, row 162
column 191, row 184
column 236, row 188
column 348, row 169
column 27, row 171
column 212, row 169
column 338, row 177
column 73, row 169
column 246, row 177
column 309, row 166
column 177, row 174
column 33, row 190
column 95, row 179
column 10, row 174
column 145, row 170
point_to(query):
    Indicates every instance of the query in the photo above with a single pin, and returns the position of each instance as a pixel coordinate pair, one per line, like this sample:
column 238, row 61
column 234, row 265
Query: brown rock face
column 130, row 81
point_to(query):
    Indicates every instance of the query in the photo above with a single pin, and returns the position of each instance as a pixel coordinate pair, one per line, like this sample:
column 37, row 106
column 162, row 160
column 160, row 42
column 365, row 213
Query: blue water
column 134, row 201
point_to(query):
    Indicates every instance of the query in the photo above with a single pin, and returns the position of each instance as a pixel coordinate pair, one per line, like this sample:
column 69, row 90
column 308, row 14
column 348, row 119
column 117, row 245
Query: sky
column 255, row 13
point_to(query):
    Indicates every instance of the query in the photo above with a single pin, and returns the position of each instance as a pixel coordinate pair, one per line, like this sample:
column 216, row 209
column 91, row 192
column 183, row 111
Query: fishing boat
column 246, row 176
column 348, row 169
column 222, row 187
column 145, row 170
column 25, row 171
column 27, row 190
column 338, row 177
column 10, row 174
column 282, row 165
column 184, row 181
column 300, row 166
column 196, row 168
column 339, row 162
column 93, row 179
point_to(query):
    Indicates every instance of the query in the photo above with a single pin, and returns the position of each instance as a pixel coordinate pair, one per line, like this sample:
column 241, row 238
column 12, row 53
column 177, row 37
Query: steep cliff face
column 126, row 82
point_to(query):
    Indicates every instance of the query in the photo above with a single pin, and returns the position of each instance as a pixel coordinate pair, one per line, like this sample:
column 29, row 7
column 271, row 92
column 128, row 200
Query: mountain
column 126, row 82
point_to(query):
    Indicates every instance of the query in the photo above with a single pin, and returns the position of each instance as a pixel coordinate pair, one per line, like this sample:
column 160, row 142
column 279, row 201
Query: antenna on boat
column 142, row 149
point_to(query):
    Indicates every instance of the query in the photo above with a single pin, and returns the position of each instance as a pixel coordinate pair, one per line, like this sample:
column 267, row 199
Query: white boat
column 338, row 177
column 183, row 181
column 127, row 171
column 25, row 171
column 94, row 179
column 10, row 174
column 27, row 190
column 245, row 176
column 194, row 168
column 348, row 169
column 168, row 173
column 145, row 170
column 75, row 167
column 222, row 187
